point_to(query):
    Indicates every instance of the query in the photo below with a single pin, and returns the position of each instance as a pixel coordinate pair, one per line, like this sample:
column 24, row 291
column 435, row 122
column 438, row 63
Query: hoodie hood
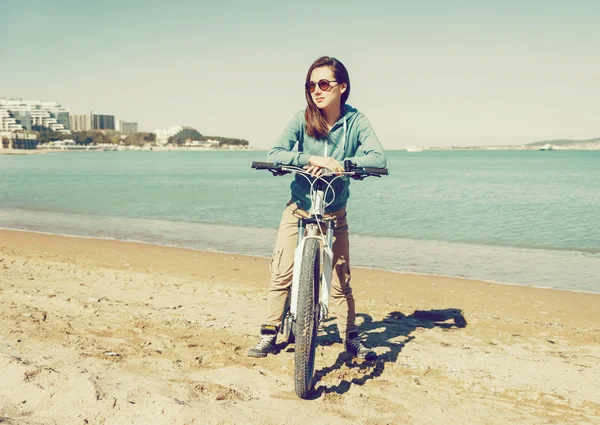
column 351, row 137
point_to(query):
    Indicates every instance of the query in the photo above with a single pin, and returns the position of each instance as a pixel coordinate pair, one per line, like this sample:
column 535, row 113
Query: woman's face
column 330, row 96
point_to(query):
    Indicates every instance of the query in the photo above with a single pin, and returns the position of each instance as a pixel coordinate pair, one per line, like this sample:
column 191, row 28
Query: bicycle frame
column 309, row 228
column 312, row 273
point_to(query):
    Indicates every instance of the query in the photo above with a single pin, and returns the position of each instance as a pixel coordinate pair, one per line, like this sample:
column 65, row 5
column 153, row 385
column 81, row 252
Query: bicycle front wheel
column 306, row 318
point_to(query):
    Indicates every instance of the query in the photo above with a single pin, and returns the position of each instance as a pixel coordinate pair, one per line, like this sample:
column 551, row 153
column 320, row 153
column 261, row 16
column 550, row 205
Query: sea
column 515, row 217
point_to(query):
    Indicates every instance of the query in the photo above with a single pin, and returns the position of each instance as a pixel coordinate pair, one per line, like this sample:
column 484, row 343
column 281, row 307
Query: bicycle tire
column 306, row 318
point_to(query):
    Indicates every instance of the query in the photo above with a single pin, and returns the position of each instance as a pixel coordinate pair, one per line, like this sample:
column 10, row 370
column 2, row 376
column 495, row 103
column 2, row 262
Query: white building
column 129, row 127
column 82, row 122
column 19, row 114
column 7, row 122
column 162, row 136
column 126, row 127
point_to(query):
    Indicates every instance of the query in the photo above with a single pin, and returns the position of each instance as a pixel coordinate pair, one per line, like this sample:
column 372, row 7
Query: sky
column 428, row 73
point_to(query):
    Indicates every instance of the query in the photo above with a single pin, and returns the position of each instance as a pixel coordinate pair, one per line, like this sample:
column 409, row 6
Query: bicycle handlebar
column 350, row 169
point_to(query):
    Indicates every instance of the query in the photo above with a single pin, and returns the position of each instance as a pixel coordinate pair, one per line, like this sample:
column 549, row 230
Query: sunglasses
column 324, row 85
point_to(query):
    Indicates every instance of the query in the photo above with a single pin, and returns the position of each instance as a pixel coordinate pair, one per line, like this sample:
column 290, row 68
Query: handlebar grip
column 262, row 165
column 381, row 171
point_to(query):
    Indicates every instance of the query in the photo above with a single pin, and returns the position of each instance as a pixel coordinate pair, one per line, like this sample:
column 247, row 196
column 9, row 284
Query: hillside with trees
column 184, row 135
column 139, row 139
column 564, row 142
column 89, row 137
column 97, row 137
column 191, row 134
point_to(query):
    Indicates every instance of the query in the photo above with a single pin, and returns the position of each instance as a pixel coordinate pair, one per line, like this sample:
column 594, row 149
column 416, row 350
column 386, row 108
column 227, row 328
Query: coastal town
column 43, row 126
column 33, row 126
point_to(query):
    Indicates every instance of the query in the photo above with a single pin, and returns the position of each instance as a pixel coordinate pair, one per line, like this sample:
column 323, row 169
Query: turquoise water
column 525, row 217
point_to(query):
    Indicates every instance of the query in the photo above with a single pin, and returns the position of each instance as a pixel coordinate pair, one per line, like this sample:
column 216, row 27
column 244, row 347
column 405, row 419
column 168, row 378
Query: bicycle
column 307, row 303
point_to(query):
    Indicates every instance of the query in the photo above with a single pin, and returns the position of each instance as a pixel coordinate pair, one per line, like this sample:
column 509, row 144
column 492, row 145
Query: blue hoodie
column 360, row 138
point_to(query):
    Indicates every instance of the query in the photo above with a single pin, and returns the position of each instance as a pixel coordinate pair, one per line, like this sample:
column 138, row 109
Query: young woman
column 328, row 132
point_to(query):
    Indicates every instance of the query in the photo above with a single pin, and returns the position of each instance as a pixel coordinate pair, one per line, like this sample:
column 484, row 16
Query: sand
column 21, row 152
column 106, row 332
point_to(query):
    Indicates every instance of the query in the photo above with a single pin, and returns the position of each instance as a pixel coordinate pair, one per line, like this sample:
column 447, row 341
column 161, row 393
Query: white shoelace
column 265, row 341
column 356, row 343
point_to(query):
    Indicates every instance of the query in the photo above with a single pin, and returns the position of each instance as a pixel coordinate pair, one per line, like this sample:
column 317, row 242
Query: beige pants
column 282, row 266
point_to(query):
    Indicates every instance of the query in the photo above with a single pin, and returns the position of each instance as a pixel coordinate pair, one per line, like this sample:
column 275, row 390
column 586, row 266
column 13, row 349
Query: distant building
column 162, row 136
column 18, row 140
column 19, row 114
column 81, row 122
column 92, row 121
column 126, row 127
column 8, row 122
column 129, row 127
column 103, row 122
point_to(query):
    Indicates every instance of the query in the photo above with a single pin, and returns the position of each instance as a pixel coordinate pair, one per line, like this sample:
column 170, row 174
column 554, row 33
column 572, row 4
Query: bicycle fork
column 308, row 228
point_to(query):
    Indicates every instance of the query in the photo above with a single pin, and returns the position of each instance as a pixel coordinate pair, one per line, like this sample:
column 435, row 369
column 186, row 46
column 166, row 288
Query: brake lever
column 277, row 172
column 358, row 176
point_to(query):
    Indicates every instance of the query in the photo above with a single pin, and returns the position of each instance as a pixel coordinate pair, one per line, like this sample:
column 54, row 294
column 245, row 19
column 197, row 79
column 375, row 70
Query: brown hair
column 315, row 121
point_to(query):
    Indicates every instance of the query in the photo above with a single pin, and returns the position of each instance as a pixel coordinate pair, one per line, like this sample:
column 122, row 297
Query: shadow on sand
column 386, row 333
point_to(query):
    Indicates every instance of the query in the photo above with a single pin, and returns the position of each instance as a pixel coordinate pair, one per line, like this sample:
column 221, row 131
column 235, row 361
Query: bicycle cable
column 300, row 171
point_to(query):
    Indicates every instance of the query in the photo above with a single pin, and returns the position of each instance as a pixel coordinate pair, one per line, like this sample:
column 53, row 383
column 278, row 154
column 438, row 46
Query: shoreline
column 432, row 149
column 376, row 269
column 21, row 152
column 104, row 331
column 184, row 149
column 144, row 257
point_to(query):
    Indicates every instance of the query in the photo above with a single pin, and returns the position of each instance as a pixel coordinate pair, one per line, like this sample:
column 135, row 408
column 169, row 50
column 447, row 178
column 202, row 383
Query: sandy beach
column 106, row 332
column 21, row 152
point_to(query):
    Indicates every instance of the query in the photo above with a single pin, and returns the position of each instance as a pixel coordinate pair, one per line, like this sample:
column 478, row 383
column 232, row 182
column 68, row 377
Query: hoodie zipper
column 345, row 125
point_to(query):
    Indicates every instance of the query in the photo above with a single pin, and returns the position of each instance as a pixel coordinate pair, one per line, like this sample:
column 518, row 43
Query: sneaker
column 266, row 344
column 355, row 346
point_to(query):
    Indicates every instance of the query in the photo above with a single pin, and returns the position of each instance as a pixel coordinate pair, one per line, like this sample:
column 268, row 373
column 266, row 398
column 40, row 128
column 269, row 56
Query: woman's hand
column 318, row 163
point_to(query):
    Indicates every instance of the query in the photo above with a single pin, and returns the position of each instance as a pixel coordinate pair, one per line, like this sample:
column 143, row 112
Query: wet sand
column 106, row 332
column 21, row 152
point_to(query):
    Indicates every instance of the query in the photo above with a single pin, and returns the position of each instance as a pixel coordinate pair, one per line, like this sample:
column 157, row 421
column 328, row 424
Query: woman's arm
column 369, row 144
column 281, row 152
